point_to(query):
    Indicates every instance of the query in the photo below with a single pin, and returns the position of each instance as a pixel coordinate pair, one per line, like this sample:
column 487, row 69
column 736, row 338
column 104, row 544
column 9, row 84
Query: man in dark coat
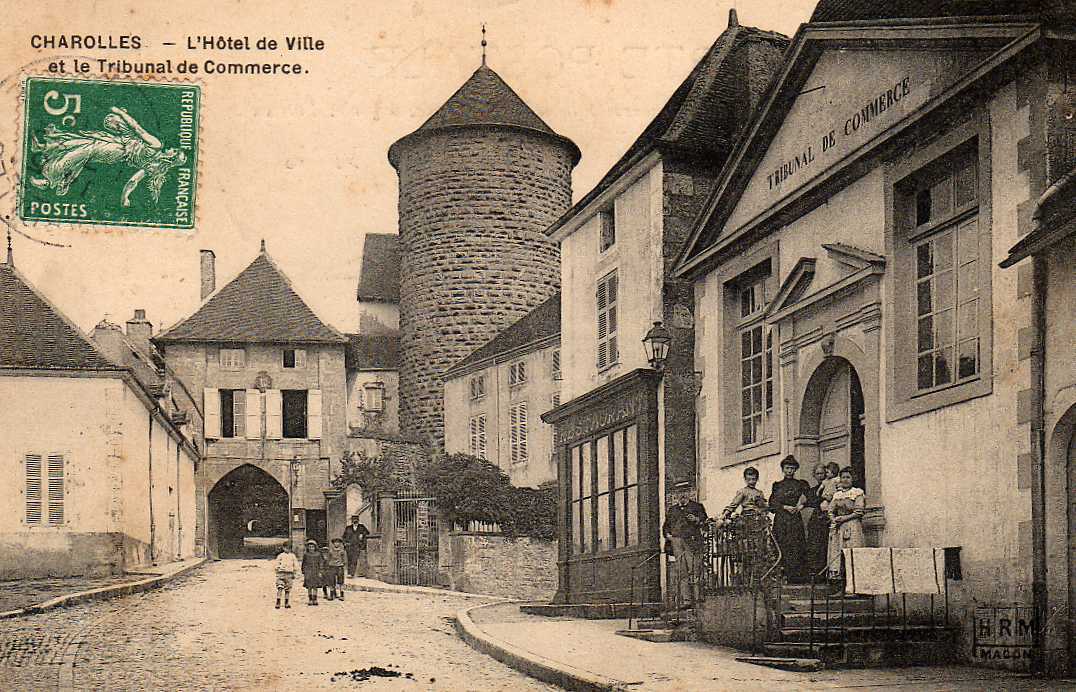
column 684, row 521
column 354, row 537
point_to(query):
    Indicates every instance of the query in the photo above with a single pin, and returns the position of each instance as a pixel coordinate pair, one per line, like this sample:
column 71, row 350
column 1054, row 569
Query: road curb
column 529, row 663
column 103, row 592
column 385, row 587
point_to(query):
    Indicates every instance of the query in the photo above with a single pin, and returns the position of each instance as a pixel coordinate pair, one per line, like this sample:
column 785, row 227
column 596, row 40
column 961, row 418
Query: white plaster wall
column 57, row 414
column 537, row 391
column 637, row 258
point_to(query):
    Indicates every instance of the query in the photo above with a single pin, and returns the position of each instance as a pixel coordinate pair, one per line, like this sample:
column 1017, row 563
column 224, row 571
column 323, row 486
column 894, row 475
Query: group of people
column 811, row 524
column 322, row 567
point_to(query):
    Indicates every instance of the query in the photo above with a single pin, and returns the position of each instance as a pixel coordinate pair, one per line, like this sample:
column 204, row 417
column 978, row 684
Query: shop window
column 478, row 436
column 605, row 492
column 606, row 295
column 517, row 432
column 294, row 358
column 45, row 489
column 233, row 359
column 293, row 411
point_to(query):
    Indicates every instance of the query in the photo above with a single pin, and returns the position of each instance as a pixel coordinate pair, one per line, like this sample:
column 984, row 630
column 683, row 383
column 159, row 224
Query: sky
column 300, row 161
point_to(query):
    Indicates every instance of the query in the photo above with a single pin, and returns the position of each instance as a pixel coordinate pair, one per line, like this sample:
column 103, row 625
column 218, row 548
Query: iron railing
column 892, row 619
column 631, row 596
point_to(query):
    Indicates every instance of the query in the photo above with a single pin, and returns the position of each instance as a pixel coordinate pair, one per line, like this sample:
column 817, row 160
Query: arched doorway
column 831, row 420
column 248, row 514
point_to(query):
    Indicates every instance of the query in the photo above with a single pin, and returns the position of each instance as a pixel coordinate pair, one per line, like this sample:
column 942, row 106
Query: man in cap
column 683, row 533
column 354, row 538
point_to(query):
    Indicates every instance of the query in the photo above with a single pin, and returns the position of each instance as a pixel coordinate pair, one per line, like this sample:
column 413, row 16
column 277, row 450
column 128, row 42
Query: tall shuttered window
column 517, row 424
column 478, row 436
column 45, row 489
column 606, row 295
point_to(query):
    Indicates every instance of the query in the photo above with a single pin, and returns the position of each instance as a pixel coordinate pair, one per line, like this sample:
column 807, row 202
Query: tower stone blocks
column 479, row 183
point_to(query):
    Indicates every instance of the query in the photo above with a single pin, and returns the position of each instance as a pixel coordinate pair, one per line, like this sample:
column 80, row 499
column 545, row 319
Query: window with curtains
column 232, row 412
column 604, row 506
column 606, row 297
column 45, row 489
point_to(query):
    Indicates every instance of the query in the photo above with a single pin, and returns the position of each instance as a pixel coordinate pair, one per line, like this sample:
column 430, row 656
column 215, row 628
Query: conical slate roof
column 484, row 100
column 34, row 334
column 258, row 306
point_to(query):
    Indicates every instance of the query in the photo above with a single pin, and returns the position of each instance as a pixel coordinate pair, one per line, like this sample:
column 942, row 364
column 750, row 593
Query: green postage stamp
column 109, row 153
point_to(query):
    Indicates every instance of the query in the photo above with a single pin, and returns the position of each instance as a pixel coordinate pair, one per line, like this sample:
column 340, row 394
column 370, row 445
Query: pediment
column 844, row 91
column 849, row 98
column 794, row 287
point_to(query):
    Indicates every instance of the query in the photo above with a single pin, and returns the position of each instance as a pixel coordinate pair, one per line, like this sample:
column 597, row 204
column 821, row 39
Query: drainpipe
column 1039, row 597
column 179, row 506
column 152, row 517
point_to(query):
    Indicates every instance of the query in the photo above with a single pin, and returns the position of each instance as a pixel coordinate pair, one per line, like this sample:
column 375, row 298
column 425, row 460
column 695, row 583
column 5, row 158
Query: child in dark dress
column 313, row 566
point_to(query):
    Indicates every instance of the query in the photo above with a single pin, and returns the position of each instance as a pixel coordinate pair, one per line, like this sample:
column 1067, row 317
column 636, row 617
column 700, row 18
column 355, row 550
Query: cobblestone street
column 217, row 629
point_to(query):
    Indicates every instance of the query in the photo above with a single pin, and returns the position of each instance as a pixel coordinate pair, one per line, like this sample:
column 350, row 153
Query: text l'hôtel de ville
column 206, row 42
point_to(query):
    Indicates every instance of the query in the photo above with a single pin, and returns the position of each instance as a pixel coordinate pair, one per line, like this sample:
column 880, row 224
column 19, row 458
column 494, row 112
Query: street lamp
column 656, row 342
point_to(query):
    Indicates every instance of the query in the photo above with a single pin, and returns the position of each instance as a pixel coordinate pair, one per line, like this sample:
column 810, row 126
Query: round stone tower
column 479, row 183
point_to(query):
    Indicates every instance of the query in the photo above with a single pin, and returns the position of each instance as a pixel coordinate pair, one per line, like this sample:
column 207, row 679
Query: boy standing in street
column 285, row 567
column 335, row 570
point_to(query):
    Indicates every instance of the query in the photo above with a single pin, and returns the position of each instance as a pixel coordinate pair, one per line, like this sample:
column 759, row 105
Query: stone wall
column 473, row 205
column 523, row 568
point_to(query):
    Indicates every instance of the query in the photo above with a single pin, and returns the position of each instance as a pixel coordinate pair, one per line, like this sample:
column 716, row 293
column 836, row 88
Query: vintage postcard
column 492, row 345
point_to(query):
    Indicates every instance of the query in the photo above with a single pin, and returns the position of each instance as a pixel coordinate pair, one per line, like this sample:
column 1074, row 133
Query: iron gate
column 416, row 540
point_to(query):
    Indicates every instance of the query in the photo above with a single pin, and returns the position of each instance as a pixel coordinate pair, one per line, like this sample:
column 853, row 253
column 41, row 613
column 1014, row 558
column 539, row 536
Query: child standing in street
column 337, row 561
column 313, row 566
column 326, row 573
column 285, row 567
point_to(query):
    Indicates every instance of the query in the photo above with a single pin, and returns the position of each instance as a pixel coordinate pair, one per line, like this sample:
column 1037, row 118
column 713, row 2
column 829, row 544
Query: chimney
column 209, row 273
column 109, row 338
column 139, row 330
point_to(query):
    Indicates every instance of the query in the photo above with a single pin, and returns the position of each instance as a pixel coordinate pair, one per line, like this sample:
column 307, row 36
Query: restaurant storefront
column 609, row 508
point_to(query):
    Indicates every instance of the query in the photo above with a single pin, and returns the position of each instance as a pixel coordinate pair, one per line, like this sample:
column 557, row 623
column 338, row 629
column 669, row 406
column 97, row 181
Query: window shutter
column 482, row 437
column 300, row 358
column 253, row 414
column 313, row 414
column 33, row 488
column 274, row 422
column 56, row 489
column 513, row 433
column 522, row 417
column 474, row 436
column 211, row 405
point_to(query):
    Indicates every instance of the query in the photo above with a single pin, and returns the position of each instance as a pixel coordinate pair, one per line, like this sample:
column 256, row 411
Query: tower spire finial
column 483, row 44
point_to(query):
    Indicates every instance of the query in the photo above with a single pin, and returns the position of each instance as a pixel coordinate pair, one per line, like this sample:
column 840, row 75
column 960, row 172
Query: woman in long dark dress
column 818, row 523
column 787, row 500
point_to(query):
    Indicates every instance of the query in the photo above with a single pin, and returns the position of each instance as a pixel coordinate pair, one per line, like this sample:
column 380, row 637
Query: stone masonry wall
column 473, row 206
column 524, row 568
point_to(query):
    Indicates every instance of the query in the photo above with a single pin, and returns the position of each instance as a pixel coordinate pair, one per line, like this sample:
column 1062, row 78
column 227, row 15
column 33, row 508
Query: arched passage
column 248, row 514
column 831, row 417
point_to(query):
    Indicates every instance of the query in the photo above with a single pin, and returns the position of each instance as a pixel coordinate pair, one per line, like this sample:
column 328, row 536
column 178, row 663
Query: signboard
column 1003, row 637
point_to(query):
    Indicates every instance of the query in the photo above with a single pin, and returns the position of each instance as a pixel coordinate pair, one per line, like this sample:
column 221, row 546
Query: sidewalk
column 24, row 597
column 587, row 654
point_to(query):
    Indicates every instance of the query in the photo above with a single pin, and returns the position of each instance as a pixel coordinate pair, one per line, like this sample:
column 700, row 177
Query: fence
column 415, row 534
column 738, row 554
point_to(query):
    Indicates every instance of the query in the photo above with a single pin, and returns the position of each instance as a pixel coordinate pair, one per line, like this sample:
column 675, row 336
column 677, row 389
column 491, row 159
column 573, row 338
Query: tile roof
column 862, row 10
column 706, row 111
column 379, row 277
column 372, row 352
column 485, row 99
column 540, row 323
column 257, row 306
column 35, row 334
